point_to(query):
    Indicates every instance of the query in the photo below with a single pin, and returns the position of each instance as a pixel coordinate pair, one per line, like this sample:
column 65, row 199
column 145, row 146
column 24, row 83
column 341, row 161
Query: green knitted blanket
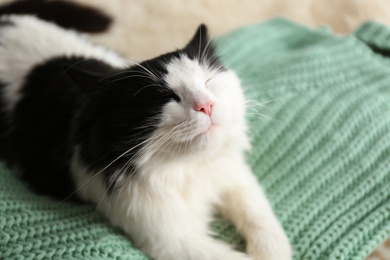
column 322, row 155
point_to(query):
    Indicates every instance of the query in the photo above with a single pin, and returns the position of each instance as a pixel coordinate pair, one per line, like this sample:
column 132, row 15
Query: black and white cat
column 158, row 146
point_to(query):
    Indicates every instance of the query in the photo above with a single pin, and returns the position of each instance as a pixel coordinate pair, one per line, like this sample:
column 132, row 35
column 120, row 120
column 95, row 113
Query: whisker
column 206, row 48
column 74, row 64
column 131, row 76
column 102, row 170
column 151, row 85
column 141, row 73
column 162, row 144
column 112, row 75
column 200, row 43
column 138, row 64
column 103, row 196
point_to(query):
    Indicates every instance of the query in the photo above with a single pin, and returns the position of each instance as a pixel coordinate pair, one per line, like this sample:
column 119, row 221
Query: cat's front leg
column 166, row 228
column 189, row 245
column 245, row 204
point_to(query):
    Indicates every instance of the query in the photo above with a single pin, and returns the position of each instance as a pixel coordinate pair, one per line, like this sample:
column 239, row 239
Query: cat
column 157, row 146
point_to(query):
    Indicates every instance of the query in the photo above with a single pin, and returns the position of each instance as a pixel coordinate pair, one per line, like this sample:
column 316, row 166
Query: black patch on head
column 65, row 14
column 202, row 48
column 68, row 103
column 122, row 111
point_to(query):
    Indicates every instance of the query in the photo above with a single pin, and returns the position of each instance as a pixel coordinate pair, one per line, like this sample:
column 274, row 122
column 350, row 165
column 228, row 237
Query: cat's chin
column 208, row 132
column 209, row 140
column 203, row 142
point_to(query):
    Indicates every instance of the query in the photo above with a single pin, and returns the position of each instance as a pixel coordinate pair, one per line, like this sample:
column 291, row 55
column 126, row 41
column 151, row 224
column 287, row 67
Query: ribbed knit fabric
column 322, row 155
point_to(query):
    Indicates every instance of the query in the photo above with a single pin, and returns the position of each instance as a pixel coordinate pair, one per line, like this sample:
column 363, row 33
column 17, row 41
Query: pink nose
column 205, row 108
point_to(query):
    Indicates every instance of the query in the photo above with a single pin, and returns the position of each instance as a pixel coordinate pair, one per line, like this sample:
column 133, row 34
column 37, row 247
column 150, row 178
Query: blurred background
column 146, row 28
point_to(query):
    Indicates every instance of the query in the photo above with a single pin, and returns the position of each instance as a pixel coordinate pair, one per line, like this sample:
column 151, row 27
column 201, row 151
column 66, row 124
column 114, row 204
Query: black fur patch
column 65, row 106
column 65, row 14
column 124, row 109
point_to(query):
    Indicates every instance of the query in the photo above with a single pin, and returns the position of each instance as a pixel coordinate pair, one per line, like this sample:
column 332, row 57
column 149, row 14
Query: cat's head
column 184, row 104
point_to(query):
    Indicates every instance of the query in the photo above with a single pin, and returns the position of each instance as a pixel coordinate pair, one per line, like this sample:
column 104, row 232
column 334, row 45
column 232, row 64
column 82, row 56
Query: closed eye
column 168, row 93
column 175, row 97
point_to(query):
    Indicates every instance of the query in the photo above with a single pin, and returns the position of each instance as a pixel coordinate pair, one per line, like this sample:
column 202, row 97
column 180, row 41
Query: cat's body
column 158, row 147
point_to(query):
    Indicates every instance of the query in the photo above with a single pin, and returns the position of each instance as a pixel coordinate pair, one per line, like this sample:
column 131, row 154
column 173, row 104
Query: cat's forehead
column 184, row 72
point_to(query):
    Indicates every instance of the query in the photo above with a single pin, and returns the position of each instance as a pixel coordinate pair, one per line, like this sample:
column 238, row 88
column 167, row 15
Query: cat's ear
column 199, row 41
column 202, row 48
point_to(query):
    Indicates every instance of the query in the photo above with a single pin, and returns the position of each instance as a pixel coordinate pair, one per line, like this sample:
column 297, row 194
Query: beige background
column 145, row 28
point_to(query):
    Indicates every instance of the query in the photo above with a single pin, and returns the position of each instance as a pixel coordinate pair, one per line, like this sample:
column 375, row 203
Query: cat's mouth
column 208, row 131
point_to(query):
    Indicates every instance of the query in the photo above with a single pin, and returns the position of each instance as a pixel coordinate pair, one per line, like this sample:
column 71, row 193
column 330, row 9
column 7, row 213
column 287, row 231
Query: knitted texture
column 321, row 152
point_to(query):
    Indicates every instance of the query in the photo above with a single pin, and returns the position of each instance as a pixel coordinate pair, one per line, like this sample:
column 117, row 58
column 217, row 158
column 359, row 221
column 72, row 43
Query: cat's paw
column 269, row 244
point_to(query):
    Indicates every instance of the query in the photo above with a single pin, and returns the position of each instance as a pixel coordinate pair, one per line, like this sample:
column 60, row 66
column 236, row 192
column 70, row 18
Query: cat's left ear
column 202, row 48
column 199, row 41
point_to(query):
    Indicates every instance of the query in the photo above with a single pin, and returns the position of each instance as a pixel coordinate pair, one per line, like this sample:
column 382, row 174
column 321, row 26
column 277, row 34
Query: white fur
column 191, row 167
column 30, row 41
